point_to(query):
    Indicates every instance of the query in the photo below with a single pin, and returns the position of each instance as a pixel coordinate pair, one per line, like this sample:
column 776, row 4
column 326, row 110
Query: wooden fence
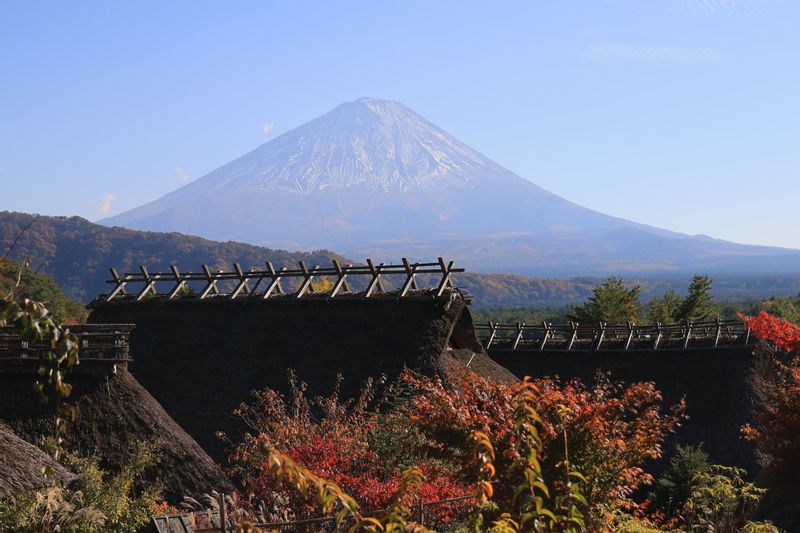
column 267, row 282
column 215, row 521
column 96, row 342
column 605, row 337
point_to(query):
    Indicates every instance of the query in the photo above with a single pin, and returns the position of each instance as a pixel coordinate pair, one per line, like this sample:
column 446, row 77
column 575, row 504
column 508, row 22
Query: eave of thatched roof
column 22, row 463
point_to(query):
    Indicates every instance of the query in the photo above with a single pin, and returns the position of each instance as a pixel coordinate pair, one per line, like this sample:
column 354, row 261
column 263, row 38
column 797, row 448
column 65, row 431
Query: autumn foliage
column 338, row 441
column 606, row 432
column 778, row 427
column 612, row 431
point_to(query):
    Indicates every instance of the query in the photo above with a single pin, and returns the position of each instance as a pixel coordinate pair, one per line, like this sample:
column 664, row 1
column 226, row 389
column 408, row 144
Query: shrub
column 96, row 501
column 679, row 479
column 350, row 443
column 721, row 501
column 612, row 431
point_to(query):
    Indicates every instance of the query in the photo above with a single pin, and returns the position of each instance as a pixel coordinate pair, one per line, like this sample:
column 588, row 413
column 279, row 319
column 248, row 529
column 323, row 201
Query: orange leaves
column 779, row 413
column 483, row 451
column 781, row 333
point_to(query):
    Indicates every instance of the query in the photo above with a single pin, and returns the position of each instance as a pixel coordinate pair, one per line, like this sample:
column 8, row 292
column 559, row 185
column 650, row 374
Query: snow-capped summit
column 377, row 144
column 372, row 177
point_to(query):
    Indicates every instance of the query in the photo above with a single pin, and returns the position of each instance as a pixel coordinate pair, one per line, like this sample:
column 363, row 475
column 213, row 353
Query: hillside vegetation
column 25, row 283
column 77, row 253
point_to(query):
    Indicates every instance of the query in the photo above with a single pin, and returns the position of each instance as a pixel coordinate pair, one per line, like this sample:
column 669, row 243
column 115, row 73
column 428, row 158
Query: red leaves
column 612, row 430
column 781, row 333
column 779, row 413
column 335, row 441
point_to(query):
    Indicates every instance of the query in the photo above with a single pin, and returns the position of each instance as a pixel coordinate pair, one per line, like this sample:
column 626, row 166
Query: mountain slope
column 374, row 178
column 76, row 253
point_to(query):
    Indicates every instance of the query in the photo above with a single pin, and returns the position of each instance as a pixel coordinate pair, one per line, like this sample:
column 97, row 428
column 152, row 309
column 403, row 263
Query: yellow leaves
column 487, row 490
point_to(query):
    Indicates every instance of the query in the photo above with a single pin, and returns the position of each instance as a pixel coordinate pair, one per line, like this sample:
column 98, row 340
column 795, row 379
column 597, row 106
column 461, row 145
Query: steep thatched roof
column 21, row 465
column 115, row 415
column 201, row 359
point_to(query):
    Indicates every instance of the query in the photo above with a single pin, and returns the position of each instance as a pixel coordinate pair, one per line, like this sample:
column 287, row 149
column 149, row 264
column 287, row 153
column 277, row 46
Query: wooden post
column 658, row 337
column 602, row 335
column 719, row 332
column 492, row 333
column 275, row 285
column 688, row 334
column 630, row 336
column 574, row 335
column 546, row 330
column 446, row 276
column 306, row 282
column 341, row 279
column 179, row 282
column 410, row 282
column 376, row 278
column 120, row 288
column 242, row 286
column 149, row 283
column 221, row 502
column 520, row 329
column 211, row 283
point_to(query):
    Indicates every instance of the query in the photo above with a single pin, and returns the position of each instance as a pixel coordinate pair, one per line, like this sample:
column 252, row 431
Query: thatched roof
column 115, row 415
column 22, row 463
column 201, row 359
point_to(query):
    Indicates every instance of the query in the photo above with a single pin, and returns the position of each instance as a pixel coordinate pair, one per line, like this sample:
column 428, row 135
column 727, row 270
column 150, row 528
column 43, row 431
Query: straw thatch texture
column 115, row 415
column 21, row 465
column 201, row 359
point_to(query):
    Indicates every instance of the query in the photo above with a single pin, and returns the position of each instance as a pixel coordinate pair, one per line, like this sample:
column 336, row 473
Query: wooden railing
column 265, row 283
column 96, row 342
column 605, row 337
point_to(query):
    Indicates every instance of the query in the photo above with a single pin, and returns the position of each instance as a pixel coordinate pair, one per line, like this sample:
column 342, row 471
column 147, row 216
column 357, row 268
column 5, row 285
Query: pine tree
column 664, row 309
column 612, row 302
column 697, row 305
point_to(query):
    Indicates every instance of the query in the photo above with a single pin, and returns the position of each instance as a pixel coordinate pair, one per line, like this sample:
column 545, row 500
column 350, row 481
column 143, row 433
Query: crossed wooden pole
column 248, row 284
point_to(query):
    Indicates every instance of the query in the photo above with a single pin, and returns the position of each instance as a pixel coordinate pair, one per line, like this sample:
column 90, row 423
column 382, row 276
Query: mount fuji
column 374, row 178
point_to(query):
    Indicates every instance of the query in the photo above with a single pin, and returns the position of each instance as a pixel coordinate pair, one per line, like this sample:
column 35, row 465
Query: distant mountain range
column 373, row 178
column 77, row 253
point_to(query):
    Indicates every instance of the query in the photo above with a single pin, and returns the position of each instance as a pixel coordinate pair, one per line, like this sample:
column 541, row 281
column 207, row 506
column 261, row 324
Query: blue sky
column 683, row 114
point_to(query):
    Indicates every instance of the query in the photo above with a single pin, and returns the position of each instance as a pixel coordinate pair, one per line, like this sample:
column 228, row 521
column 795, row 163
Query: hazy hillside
column 77, row 253
column 374, row 178
column 503, row 291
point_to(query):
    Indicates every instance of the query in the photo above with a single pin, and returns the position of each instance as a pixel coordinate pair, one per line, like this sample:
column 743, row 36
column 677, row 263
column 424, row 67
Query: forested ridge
column 77, row 253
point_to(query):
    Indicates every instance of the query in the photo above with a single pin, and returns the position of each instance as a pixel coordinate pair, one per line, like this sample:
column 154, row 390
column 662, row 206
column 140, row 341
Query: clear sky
column 683, row 114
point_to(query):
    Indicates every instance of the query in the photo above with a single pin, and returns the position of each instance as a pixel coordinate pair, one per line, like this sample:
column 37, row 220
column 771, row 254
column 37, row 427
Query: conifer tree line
column 614, row 303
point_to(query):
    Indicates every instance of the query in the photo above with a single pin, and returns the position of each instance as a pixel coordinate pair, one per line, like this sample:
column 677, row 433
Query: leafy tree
column 785, row 308
column 697, row 305
column 612, row 302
